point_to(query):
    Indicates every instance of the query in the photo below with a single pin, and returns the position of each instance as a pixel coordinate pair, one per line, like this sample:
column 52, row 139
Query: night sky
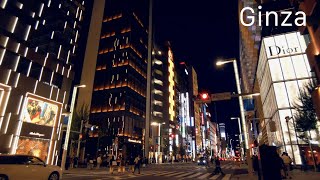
column 200, row 32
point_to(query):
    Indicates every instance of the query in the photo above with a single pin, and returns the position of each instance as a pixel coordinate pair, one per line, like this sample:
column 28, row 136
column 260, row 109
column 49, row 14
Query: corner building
column 283, row 72
column 38, row 41
column 119, row 92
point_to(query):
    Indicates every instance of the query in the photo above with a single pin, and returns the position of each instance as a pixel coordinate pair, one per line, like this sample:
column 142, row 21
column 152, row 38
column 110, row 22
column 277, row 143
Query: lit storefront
column 39, row 132
column 283, row 71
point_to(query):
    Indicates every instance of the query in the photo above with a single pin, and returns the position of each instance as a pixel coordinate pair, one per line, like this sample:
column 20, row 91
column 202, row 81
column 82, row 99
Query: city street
column 167, row 171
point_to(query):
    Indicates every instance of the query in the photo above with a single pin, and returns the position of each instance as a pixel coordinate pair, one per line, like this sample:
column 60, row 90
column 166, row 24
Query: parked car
column 27, row 167
column 202, row 161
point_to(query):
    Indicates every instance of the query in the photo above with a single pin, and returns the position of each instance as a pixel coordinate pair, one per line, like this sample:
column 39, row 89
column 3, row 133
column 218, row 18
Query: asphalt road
column 162, row 171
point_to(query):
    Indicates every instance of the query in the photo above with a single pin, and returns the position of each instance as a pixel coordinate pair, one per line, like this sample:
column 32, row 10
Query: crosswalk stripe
column 195, row 175
column 226, row 177
column 215, row 176
column 185, row 174
column 204, row 176
column 174, row 174
column 163, row 173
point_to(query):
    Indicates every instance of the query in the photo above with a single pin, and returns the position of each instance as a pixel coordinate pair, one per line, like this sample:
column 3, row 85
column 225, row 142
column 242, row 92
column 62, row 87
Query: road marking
column 204, row 176
column 174, row 174
column 163, row 173
column 192, row 176
column 185, row 174
column 226, row 177
column 215, row 176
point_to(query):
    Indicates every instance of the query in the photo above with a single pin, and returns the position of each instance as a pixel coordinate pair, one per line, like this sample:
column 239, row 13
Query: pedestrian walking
column 108, row 161
column 112, row 164
column 75, row 161
column 90, row 163
column 287, row 164
column 99, row 161
column 122, row 165
column 218, row 167
column 137, row 162
column 131, row 164
column 67, row 165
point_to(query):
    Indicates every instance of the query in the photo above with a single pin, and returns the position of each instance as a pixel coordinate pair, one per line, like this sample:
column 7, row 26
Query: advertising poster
column 40, row 112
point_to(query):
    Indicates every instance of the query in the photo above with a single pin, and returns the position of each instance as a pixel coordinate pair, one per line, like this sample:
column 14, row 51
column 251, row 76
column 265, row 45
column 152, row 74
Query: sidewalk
column 296, row 174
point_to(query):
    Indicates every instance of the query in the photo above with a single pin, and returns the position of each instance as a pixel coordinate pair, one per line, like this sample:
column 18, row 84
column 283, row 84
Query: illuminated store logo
column 284, row 45
column 281, row 51
column 36, row 134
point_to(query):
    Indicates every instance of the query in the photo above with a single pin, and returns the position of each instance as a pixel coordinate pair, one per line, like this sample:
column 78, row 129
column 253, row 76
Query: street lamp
column 236, row 73
column 66, row 140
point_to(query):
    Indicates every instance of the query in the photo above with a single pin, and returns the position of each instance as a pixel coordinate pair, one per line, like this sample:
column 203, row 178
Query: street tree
column 305, row 116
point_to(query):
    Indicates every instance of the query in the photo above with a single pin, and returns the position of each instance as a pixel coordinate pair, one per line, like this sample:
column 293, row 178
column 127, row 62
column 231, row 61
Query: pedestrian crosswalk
column 179, row 175
column 224, row 167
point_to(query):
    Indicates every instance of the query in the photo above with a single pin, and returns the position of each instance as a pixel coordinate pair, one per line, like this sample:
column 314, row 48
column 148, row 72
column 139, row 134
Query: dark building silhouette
column 119, row 90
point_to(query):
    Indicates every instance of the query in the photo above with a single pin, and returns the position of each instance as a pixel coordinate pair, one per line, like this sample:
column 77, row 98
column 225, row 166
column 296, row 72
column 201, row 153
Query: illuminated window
column 157, row 114
column 158, row 72
column 158, row 103
column 157, row 81
column 158, row 92
column 158, row 62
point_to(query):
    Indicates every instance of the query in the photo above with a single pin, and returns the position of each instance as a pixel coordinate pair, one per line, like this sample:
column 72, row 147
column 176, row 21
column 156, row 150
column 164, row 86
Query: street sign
column 221, row 96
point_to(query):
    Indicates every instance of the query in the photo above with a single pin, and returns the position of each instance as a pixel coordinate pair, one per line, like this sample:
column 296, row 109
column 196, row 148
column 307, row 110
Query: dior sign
column 288, row 44
column 283, row 51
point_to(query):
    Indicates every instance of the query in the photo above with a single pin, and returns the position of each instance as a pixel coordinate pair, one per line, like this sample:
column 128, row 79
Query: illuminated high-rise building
column 118, row 104
column 38, row 43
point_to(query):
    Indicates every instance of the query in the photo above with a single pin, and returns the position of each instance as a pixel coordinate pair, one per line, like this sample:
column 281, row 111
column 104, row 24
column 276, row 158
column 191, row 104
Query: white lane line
column 195, row 175
column 204, row 176
column 215, row 176
column 185, row 174
column 226, row 177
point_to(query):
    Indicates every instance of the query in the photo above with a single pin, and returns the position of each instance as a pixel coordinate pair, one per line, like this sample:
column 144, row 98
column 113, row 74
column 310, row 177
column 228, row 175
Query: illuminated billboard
column 39, row 112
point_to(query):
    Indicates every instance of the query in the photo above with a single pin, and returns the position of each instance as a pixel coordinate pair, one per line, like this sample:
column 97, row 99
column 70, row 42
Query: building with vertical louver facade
column 38, row 42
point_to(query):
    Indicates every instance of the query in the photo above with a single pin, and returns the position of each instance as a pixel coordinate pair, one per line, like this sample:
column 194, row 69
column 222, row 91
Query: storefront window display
column 33, row 146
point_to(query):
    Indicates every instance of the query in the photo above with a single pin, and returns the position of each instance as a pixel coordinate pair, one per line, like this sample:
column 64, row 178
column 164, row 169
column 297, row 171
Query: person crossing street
column 218, row 167
column 137, row 163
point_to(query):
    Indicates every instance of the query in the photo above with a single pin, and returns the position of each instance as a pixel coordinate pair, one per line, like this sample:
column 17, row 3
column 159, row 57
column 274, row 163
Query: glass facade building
column 283, row 72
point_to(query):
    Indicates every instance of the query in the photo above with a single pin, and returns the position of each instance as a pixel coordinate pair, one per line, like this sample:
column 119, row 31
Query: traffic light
column 172, row 136
column 204, row 96
column 252, row 145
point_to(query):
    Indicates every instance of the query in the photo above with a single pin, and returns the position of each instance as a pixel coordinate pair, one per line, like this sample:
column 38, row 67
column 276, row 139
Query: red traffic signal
column 172, row 135
column 204, row 96
column 252, row 145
